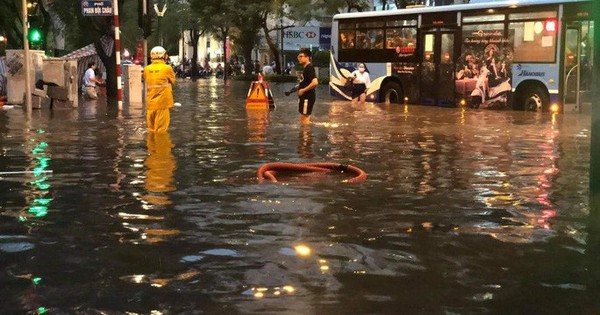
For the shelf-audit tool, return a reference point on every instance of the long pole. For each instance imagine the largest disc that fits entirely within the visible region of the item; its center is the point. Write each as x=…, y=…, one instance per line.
x=26, y=58
x=595, y=130
x=118, y=54
x=282, y=60
x=160, y=37
x=145, y=42
x=159, y=15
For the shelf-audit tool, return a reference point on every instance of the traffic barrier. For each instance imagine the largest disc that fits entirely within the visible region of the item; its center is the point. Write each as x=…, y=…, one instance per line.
x=260, y=96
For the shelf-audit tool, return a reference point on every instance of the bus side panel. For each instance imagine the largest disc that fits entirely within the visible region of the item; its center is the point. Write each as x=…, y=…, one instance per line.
x=546, y=74
x=407, y=74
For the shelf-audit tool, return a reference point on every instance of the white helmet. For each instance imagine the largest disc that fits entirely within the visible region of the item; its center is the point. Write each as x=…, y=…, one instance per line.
x=157, y=52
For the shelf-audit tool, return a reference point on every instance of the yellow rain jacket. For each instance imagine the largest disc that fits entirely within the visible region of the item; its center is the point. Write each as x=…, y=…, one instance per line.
x=159, y=78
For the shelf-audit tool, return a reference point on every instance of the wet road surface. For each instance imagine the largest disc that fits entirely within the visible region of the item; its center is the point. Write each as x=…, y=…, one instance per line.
x=463, y=211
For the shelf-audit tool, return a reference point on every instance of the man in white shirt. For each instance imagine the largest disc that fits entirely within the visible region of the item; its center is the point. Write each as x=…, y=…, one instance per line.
x=90, y=81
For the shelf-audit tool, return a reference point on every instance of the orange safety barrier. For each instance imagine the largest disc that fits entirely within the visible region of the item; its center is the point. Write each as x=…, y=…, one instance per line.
x=270, y=170
x=259, y=96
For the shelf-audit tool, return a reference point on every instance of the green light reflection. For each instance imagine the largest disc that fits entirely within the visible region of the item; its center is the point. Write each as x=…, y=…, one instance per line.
x=39, y=211
x=42, y=201
x=39, y=206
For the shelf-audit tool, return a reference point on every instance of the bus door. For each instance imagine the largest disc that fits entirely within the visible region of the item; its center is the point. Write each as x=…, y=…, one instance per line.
x=437, y=67
x=578, y=60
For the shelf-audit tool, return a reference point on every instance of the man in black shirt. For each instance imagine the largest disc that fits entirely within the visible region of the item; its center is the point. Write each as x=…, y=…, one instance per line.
x=306, y=88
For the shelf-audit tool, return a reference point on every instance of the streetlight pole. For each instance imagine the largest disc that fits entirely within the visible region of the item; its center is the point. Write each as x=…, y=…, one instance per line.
x=595, y=128
x=26, y=58
x=160, y=14
x=281, y=66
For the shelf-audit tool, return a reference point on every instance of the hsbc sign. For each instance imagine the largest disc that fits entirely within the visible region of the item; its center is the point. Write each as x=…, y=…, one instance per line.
x=297, y=37
x=299, y=34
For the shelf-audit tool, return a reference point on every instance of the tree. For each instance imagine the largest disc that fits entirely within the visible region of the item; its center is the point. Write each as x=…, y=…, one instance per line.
x=245, y=35
x=278, y=15
x=401, y=4
x=339, y=6
x=180, y=18
x=217, y=20
x=98, y=30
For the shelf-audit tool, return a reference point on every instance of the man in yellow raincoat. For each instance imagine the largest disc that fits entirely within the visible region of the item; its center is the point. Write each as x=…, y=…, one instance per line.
x=159, y=78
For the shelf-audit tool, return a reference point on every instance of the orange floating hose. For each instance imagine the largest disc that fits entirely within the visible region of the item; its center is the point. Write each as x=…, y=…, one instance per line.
x=269, y=170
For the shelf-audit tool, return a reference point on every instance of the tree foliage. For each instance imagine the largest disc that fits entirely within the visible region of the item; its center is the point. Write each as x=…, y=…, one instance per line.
x=217, y=19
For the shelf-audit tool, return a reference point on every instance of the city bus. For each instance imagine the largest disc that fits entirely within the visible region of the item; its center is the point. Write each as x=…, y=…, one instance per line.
x=534, y=55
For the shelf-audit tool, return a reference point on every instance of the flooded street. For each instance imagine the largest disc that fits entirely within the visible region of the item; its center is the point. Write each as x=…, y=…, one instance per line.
x=463, y=211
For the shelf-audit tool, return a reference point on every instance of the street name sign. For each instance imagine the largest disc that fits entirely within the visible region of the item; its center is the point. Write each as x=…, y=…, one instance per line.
x=96, y=8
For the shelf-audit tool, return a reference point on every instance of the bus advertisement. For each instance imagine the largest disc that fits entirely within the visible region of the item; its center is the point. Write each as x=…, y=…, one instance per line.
x=523, y=54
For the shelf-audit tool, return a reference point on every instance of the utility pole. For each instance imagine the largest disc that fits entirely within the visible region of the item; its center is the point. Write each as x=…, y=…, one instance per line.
x=595, y=130
x=160, y=14
x=26, y=58
x=145, y=40
x=282, y=65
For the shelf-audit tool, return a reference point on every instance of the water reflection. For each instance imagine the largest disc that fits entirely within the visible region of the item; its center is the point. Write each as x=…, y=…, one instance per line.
x=160, y=165
x=305, y=142
x=148, y=226
x=462, y=212
x=257, y=124
x=90, y=108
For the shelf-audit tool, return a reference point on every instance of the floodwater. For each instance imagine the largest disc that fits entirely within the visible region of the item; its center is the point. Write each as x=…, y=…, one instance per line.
x=463, y=211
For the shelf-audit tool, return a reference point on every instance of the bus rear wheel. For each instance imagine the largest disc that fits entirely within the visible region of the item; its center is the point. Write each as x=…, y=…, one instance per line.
x=391, y=93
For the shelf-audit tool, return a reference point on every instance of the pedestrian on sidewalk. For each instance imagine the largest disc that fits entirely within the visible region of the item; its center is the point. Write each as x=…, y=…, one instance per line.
x=90, y=82
x=306, y=88
x=159, y=78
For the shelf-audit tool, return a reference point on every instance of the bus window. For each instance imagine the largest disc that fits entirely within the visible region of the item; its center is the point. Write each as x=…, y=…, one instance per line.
x=347, y=25
x=533, y=41
x=403, y=40
x=400, y=23
x=347, y=39
x=372, y=24
x=369, y=39
x=428, y=50
x=483, y=18
x=532, y=15
x=447, y=50
x=362, y=40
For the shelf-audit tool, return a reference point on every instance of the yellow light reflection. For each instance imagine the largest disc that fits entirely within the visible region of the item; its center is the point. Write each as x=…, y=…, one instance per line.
x=302, y=250
x=138, y=278
x=289, y=289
